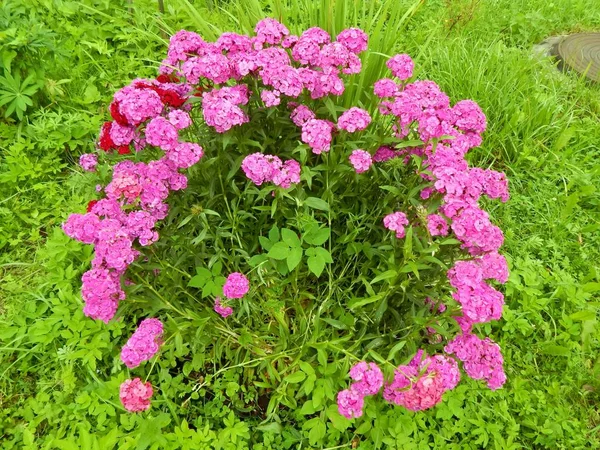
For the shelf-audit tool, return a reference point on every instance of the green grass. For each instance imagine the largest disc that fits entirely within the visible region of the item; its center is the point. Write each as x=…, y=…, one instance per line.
x=58, y=371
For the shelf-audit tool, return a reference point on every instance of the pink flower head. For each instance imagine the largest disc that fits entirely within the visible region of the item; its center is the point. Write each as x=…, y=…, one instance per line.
x=482, y=358
x=143, y=343
x=221, y=110
x=260, y=168
x=385, y=88
x=180, y=119
x=354, y=39
x=360, y=160
x=135, y=395
x=101, y=292
x=401, y=66
x=396, y=222
x=350, y=403
x=271, y=98
x=383, y=154
x=317, y=134
x=269, y=31
x=234, y=43
x=161, y=133
x=185, y=155
x=354, y=119
x=437, y=225
x=421, y=384
x=223, y=311
x=368, y=378
x=236, y=286
x=288, y=174
x=301, y=114
x=88, y=162
x=494, y=266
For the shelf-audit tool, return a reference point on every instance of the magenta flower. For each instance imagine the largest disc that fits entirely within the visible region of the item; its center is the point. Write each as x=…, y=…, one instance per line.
x=368, y=378
x=223, y=311
x=236, y=286
x=396, y=222
x=143, y=343
x=88, y=162
x=350, y=403
x=360, y=160
x=437, y=225
x=401, y=66
x=354, y=119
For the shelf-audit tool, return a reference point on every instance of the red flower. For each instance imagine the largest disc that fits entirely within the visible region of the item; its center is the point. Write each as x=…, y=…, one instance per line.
x=105, y=142
x=124, y=150
x=167, y=78
x=142, y=85
x=91, y=204
x=116, y=114
x=169, y=97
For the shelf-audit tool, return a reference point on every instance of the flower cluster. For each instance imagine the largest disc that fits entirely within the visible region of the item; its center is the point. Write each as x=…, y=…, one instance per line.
x=88, y=162
x=135, y=395
x=284, y=64
x=354, y=119
x=421, y=383
x=236, y=285
x=368, y=380
x=269, y=168
x=238, y=74
x=223, y=311
x=143, y=344
x=361, y=160
x=417, y=386
x=396, y=222
x=423, y=111
x=482, y=359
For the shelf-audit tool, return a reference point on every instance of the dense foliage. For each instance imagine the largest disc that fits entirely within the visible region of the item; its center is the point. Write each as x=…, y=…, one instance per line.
x=269, y=380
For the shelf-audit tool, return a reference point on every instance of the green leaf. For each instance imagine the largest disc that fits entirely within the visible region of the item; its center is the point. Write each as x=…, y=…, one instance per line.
x=274, y=234
x=295, y=377
x=338, y=421
x=324, y=254
x=290, y=238
x=279, y=251
x=316, y=433
x=384, y=276
x=316, y=265
x=294, y=258
x=395, y=349
x=317, y=236
x=257, y=259
x=591, y=287
x=408, y=254
x=197, y=282
x=317, y=203
x=357, y=303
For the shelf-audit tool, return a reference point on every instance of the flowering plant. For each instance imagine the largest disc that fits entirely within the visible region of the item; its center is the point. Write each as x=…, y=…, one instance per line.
x=283, y=213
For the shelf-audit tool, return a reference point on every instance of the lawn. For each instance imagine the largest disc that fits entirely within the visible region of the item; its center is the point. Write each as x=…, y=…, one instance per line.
x=61, y=62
